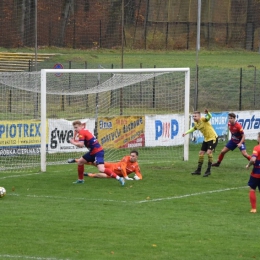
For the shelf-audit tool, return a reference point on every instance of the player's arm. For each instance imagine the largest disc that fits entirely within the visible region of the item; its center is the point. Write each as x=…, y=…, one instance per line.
x=191, y=130
x=241, y=130
x=78, y=139
x=208, y=115
x=123, y=166
x=77, y=143
x=251, y=162
x=242, y=140
x=138, y=176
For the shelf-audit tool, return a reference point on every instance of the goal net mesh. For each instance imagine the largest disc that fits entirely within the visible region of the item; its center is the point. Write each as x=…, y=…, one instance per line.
x=125, y=111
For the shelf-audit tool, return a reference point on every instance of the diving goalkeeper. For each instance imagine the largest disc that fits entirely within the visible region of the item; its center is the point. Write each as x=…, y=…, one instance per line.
x=123, y=168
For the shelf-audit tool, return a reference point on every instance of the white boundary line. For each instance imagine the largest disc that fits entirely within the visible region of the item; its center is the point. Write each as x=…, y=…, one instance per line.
x=192, y=194
x=135, y=202
x=21, y=175
x=30, y=257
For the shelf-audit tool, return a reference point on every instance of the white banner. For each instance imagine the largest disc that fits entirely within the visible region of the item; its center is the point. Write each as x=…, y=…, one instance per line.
x=164, y=130
x=61, y=131
x=250, y=120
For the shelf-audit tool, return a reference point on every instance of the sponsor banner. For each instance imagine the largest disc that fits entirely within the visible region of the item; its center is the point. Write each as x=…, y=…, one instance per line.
x=20, y=150
x=250, y=120
x=20, y=132
x=219, y=121
x=121, y=131
x=20, y=137
x=60, y=133
x=164, y=130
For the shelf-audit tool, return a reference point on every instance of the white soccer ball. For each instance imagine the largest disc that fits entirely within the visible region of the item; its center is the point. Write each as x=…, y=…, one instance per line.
x=2, y=192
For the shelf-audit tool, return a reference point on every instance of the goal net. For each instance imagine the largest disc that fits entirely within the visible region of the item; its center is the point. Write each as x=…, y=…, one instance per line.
x=126, y=109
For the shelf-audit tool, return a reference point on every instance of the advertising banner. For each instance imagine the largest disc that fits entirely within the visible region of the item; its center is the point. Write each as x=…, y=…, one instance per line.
x=121, y=131
x=250, y=120
x=20, y=137
x=219, y=121
x=164, y=130
x=60, y=133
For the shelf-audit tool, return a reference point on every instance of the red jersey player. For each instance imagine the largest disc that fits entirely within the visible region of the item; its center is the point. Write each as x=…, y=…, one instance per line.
x=95, y=153
x=237, y=140
x=254, y=180
x=126, y=166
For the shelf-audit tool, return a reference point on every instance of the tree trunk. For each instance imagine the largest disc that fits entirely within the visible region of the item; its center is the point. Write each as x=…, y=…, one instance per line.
x=68, y=9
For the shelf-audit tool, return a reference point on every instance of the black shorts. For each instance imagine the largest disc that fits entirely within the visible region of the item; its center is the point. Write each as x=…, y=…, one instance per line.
x=210, y=145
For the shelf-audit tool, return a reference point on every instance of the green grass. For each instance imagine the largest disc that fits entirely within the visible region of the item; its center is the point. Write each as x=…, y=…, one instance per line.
x=219, y=71
x=170, y=214
x=219, y=59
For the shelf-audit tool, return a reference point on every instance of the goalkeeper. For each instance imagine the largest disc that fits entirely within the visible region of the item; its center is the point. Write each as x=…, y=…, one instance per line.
x=210, y=140
x=126, y=166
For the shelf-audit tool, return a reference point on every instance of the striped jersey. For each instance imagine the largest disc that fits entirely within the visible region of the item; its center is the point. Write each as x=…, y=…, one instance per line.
x=89, y=141
x=256, y=169
x=236, y=131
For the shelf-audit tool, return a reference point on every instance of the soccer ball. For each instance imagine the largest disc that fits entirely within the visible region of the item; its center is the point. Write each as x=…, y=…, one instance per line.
x=2, y=192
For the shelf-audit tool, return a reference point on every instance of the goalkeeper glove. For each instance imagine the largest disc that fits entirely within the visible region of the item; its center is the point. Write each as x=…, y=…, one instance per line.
x=136, y=178
x=129, y=179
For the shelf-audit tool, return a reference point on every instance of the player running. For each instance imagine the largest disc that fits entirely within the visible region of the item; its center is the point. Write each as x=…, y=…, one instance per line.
x=237, y=140
x=210, y=140
x=95, y=154
x=254, y=180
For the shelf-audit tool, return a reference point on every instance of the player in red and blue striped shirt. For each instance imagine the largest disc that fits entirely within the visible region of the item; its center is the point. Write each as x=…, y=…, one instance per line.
x=237, y=140
x=254, y=180
x=95, y=153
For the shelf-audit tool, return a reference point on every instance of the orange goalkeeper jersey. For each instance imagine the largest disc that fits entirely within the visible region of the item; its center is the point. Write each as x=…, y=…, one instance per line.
x=124, y=167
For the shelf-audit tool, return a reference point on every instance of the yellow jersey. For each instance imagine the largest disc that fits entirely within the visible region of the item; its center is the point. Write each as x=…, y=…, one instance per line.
x=206, y=129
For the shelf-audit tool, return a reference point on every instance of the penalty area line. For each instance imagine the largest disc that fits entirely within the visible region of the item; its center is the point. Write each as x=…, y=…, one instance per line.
x=191, y=195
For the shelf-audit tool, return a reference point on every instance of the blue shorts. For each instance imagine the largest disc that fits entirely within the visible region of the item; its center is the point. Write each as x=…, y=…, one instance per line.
x=98, y=157
x=231, y=145
x=254, y=183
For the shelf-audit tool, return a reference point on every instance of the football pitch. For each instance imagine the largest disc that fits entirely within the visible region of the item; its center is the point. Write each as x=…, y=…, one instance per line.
x=170, y=214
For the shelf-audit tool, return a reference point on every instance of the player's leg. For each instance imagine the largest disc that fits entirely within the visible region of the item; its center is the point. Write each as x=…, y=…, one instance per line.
x=201, y=159
x=252, y=183
x=96, y=175
x=211, y=146
x=229, y=146
x=81, y=161
x=107, y=171
x=243, y=151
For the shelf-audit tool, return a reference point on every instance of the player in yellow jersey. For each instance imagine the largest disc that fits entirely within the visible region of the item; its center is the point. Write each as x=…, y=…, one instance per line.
x=210, y=140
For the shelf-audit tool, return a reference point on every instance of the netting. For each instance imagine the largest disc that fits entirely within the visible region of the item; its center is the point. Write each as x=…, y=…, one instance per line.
x=153, y=24
x=143, y=111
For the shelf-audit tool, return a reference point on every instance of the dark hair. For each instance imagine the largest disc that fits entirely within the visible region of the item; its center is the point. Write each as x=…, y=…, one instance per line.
x=233, y=115
x=134, y=151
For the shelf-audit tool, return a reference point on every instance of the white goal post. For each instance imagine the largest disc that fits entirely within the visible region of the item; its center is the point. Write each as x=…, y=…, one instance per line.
x=155, y=95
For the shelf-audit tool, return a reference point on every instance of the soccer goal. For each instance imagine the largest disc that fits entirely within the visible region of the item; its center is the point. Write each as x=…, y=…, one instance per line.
x=126, y=109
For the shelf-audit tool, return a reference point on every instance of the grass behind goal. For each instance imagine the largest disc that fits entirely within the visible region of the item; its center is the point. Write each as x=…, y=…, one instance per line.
x=170, y=214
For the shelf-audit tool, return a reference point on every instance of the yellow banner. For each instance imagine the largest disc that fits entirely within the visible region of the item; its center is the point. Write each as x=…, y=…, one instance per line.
x=121, y=131
x=19, y=133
